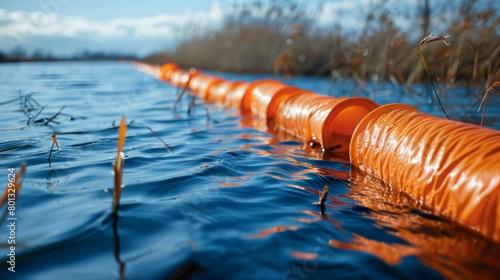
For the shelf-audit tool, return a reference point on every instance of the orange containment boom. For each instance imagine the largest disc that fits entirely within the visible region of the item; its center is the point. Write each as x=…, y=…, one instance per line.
x=309, y=116
x=166, y=70
x=258, y=96
x=182, y=78
x=321, y=119
x=453, y=167
x=153, y=70
x=218, y=92
x=200, y=84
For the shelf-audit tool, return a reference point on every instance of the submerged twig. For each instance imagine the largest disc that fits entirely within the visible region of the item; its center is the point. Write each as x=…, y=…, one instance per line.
x=207, y=115
x=322, y=198
x=54, y=143
x=53, y=136
x=179, y=97
x=192, y=104
x=33, y=119
x=26, y=104
x=54, y=116
x=50, y=153
x=429, y=39
x=118, y=169
x=157, y=136
x=33, y=99
x=10, y=101
x=72, y=118
x=119, y=261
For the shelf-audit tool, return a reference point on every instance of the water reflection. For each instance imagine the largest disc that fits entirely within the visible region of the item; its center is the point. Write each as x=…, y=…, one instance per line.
x=443, y=245
x=121, y=264
x=304, y=255
x=411, y=229
x=266, y=232
x=233, y=200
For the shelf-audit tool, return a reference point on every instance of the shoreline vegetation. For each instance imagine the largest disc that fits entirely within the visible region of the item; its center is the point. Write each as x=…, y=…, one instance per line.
x=283, y=37
x=461, y=39
x=19, y=55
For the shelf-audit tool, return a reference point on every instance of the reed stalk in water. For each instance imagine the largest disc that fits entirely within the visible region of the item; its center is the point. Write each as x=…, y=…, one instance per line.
x=118, y=166
x=54, y=143
x=322, y=198
x=54, y=116
x=118, y=170
x=495, y=90
x=429, y=39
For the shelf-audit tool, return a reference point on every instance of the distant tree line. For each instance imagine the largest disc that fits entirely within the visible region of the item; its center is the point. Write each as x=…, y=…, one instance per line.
x=282, y=37
x=20, y=55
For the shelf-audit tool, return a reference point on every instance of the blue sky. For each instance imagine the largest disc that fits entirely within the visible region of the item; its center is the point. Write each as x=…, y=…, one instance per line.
x=109, y=9
x=66, y=27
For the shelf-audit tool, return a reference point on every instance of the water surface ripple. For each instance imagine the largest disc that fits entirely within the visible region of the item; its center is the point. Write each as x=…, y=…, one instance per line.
x=204, y=198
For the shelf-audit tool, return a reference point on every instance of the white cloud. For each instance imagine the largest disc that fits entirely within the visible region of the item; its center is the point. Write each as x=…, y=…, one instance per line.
x=349, y=14
x=67, y=35
x=57, y=33
x=25, y=25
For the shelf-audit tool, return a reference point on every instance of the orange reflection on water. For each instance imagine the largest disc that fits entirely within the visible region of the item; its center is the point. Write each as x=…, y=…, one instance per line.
x=266, y=232
x=235, y=181
x=443, y=245
x=228, y=184
x=451, y=249
x=390, y=253
x=302, y=148
x=253, y=122
x=299, y=175
x=304, y=255
x=318, y=217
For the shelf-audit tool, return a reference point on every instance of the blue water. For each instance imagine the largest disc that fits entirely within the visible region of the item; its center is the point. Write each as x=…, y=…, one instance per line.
x=207, y=196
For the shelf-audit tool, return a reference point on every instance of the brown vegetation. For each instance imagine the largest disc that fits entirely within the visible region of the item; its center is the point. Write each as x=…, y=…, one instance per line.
x=281, y=37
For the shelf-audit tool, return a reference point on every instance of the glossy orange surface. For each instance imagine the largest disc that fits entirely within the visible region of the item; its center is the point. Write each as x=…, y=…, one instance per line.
x=264, y=94
x=200, y=84
x=258, y=90
x=181, y=78
x=217, y=92
x=293, y=115
x=166, y=70
x=279, y=98
x=453, y=167
x=333, y=123
x=320, y=119
x=235, y=95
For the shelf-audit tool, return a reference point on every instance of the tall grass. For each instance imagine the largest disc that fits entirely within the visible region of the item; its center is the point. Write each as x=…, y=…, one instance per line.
x=281, y=37
x=118, y=166
x=429, y=39
x=494, y=90
x=118, y=170
x=54, y=143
